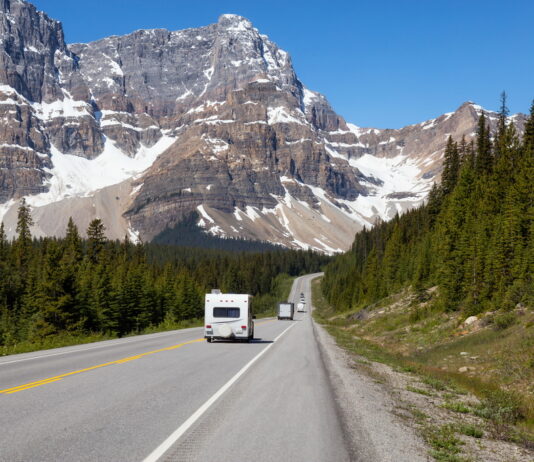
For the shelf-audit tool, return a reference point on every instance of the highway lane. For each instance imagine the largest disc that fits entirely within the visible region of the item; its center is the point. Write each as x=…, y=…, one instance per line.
x=119, y=400
x=282, y=410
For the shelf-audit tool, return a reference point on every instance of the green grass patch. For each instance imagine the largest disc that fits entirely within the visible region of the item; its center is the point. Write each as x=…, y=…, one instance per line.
x=470, y=430
x=446, y=446
x=419, y=390
x=435, y=383
x=56, y=341
x=501, y=406
x=418, y=415
x=456, y=406
x=65, y=339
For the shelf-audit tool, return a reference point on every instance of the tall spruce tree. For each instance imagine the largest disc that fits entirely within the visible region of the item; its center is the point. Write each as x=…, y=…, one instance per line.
x=451, y=167
x=484, y=157
x=23, y=244
x=96, y=239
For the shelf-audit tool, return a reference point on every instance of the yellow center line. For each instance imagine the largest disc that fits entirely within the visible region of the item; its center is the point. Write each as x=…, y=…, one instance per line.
x=22, y=387
x=38, y=383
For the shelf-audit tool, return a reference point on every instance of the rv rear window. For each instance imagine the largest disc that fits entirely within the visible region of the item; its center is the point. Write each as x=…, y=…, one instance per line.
x=226, y=312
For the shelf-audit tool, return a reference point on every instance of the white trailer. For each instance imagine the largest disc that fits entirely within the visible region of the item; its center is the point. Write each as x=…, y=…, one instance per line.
x=228, y=317
x=286, y=310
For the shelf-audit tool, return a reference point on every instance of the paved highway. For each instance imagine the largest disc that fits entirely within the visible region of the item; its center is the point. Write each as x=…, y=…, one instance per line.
x=174, y=397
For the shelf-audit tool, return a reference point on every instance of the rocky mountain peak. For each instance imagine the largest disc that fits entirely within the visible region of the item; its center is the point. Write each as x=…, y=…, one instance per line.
x=146, y=128
x=34, y=51
x=234, y=22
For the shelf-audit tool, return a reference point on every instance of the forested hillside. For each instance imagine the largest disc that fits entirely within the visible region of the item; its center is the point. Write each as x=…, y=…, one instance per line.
x=473, y=239
x=73, y=286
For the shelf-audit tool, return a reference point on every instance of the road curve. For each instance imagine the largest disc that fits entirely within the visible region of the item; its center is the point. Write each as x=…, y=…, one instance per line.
x=174, y=397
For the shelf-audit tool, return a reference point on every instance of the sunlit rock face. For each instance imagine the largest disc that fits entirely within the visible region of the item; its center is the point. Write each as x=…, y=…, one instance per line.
x=157, y=124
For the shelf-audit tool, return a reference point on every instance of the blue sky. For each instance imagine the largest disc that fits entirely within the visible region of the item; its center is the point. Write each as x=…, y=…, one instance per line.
x=381, y=64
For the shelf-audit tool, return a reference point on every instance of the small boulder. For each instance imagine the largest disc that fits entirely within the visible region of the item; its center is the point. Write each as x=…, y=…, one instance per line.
x=470, y=320
x=361, y=315
x=466, y=369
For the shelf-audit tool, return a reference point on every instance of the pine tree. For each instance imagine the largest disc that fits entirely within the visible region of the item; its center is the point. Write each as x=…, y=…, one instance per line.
x=24, y=238
x=451, y=167
x=3, y=243
x=96, y=239
x=73, y=241
x=483, y=158
x=435, y=199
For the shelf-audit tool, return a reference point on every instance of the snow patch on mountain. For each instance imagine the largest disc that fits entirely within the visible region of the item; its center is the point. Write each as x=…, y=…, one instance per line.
x=73, y=176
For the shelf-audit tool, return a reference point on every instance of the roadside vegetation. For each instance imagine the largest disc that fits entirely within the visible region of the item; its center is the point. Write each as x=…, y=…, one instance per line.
x=468, y=389
x=446, y=291
x=58, y=292
x=474, y=238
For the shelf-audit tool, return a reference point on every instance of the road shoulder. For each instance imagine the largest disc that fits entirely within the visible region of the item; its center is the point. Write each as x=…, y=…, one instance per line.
x=373, y=428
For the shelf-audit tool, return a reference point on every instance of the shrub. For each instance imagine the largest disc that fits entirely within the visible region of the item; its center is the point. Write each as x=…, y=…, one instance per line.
x=470, y=430
x=500, y=406
x=456, y=406
x=504, y=320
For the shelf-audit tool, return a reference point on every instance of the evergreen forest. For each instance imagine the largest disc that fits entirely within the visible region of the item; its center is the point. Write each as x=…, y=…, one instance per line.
x=473, y=239
x=53, y=288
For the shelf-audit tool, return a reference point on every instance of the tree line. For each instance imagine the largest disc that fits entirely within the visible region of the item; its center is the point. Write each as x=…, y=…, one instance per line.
x=52, y=286
x=473, y=238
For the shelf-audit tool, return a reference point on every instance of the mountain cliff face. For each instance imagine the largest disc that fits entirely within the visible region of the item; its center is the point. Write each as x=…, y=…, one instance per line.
x=143, y=129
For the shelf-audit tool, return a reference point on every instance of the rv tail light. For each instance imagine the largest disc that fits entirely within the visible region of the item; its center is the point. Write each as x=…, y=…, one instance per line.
x=243, y=327
x=208, y=326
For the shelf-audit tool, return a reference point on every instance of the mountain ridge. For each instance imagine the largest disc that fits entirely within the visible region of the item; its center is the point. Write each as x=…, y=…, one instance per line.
x=145, y=128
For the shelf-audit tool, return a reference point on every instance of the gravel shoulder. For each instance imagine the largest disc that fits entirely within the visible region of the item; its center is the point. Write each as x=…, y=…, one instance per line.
x=396, y=412
x=373, y=427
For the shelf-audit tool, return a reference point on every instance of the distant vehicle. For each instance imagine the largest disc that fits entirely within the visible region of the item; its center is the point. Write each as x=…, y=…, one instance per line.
x=301, y=307
x=286, y=310
x=302, y=296
x=228, y=317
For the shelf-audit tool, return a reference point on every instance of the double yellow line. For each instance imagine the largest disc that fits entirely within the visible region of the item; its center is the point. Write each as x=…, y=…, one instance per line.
x=27, y=386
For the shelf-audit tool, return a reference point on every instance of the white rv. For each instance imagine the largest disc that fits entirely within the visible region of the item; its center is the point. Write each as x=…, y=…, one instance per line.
x=301, y=307
x=228, y=317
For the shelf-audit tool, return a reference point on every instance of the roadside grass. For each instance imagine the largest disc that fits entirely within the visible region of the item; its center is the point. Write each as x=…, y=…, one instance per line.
x=456, y=406
x=470, y=430
x=496, y=364
x=57, y=341
x=419, y=390
x=446, y=446
x=66, y=339
x=265, y=306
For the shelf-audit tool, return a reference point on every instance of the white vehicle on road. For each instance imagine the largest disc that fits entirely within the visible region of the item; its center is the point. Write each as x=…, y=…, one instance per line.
x=228, y=317
x=286, y=310
x=301, y=307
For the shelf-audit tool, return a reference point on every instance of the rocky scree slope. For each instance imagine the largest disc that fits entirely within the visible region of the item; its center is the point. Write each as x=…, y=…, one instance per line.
x=144, y=129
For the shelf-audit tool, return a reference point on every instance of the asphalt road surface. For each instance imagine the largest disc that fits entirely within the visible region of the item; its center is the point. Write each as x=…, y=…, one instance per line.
x=174, y=397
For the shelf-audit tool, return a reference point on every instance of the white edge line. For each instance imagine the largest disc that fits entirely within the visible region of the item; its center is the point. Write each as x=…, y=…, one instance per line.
x=116, y=343
x=164, y=447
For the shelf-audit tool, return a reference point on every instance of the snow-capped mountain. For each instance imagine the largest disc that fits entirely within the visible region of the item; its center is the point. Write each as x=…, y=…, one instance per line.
x=143, y=129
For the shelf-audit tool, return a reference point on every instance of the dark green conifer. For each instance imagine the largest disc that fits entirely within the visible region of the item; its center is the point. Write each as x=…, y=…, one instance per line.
x=96, y=239
x=451, y=167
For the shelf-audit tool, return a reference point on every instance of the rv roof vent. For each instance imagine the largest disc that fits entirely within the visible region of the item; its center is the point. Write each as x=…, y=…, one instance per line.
x=216, y=291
